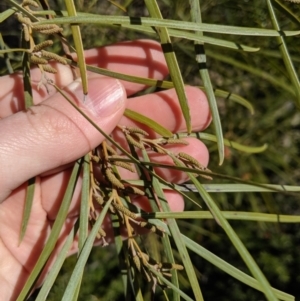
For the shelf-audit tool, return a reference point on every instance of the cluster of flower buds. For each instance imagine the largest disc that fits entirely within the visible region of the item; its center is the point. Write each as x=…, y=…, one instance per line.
x=38, y=55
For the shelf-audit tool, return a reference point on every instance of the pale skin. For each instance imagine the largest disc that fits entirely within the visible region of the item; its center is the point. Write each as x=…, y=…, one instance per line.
x=44, y=141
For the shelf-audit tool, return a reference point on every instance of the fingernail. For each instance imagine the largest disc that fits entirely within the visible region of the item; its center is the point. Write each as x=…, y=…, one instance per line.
x=105, y=96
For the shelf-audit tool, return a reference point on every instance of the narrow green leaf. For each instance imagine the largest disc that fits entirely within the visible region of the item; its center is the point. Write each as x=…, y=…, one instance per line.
x=26, y=77
x=148, y=122
x=234, y=97
x=172, y=63
x=78, y=45
x=118, y=5
x=232, y=144
x=217, y=188
x=156, y=22
x=6, y=14
x=250, y=188
x=27, y=208
x=176, y=33
x=244, y=253
x=28, y=99
x=84, y=212
x=56, y=267
x=285, y=55
x=10, y=50
x=275, y=188
x=214, y=111
x=83, y=256
x=211, y=41
x=84, y=204
x=54, y=235
x=231, y=215
x=201, y=60
x=286, y=11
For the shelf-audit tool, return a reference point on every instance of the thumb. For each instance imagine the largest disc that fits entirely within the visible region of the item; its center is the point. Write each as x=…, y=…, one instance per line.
x=53, y=133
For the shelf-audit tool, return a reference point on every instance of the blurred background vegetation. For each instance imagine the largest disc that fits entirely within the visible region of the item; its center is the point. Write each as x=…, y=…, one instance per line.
x=260, y=77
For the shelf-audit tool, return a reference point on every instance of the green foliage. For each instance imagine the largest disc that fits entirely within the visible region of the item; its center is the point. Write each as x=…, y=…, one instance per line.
x=251, y=59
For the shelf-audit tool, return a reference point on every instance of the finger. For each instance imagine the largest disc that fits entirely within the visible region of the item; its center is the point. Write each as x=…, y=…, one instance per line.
x=54, y=133
x=164, y=108
x=140, y=58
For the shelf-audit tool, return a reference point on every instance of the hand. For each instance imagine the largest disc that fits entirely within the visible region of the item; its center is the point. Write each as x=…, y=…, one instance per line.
x=44, y=140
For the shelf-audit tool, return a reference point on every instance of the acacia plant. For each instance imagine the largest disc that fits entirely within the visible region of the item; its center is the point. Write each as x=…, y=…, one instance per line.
x=164, y=258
